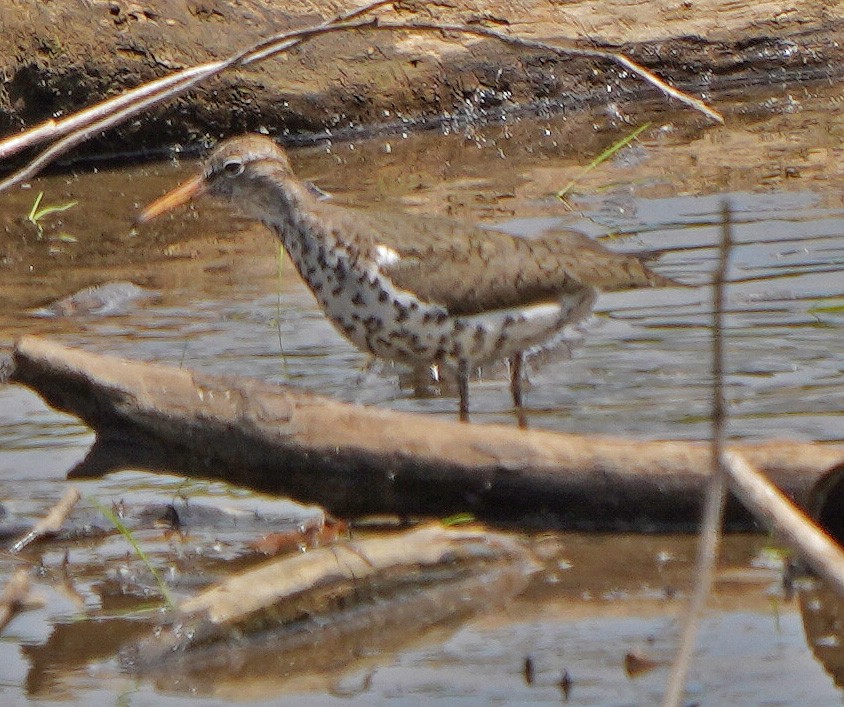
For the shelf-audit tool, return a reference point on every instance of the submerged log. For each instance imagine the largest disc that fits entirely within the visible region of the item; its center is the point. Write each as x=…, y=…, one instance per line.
x=355, y=461
x=319, y=610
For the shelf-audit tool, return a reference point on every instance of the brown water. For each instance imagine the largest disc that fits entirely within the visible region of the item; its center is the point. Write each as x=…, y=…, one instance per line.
x=639, y=367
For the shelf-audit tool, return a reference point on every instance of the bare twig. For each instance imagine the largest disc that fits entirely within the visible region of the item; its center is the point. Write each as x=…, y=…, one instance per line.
x=81, y=126
x=144, y=96
x=756, y=492
x=710, y=532
x=51, y=523
x=271, y=47
x=15, y=597
x=771, y=506
x=52, y=129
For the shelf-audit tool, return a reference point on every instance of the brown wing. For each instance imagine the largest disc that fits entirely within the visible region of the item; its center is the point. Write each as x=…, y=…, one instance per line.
x=602, y=268
x=470, y=270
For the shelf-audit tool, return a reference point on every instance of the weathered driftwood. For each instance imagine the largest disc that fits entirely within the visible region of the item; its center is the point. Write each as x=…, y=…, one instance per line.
x=342, y=600
x=354, y=460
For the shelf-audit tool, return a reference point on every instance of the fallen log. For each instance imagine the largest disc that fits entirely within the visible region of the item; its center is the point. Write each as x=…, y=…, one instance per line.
x=356, y=461
x=318, y=611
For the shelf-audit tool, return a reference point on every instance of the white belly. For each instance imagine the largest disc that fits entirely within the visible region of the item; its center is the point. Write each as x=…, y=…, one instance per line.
x=391, y=323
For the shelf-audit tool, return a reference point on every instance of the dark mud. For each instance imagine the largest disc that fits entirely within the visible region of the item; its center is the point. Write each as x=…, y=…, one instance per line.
x=58, y=57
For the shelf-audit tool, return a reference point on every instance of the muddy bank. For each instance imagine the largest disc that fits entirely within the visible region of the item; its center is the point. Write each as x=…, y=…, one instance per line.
x=58, y=57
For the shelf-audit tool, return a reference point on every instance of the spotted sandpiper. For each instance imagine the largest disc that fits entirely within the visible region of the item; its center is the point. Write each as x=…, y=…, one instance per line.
x=420, y=290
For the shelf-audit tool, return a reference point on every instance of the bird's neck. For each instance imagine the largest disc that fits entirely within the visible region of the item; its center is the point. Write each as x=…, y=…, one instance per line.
x=279, y=200
x=295, y=215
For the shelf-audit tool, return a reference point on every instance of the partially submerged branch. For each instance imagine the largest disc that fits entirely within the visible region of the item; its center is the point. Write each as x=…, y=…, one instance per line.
x=357, y=461
x=788, y=522
x=330, y=605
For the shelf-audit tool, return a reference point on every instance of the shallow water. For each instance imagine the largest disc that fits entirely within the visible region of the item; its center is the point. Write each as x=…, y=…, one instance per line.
x=638, y=367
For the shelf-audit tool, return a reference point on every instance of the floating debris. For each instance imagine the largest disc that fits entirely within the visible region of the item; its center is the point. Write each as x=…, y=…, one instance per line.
x=636, y=663
x=565, y=685
x=108, y=299
x=51, y=523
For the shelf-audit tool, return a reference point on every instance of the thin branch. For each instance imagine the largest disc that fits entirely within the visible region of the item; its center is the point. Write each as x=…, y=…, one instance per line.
x=269, y=48
x=710, y=532
x=769, y=504
x=51, y=523
x=83, y=125
x=137, y=99
x=52, y=129
x=80, y=135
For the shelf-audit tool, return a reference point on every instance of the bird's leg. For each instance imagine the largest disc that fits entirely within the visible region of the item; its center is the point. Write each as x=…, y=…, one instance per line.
x=463, y=389
x=425, y=381
x=369, y=365
x=516, y=365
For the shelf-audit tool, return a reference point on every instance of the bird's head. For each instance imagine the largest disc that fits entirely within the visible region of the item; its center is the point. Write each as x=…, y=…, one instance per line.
x=235, y=171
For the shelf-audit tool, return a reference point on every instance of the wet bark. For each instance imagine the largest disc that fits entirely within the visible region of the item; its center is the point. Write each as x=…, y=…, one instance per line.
x=319, y=610
x=356, y=461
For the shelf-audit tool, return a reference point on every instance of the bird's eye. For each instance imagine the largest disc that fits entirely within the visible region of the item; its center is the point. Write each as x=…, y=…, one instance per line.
x=233, y=167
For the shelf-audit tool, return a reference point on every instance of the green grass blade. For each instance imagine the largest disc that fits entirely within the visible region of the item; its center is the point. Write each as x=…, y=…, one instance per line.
x=126, y=533
x=58, y=208
x=34, y=210
x=603, y=157
x=826, y=309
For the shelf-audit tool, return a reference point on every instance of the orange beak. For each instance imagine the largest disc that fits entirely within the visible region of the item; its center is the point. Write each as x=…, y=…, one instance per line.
x=180, y=195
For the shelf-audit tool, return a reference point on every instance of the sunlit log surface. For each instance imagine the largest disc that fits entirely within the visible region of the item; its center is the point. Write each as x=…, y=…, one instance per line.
x=328, y=605
x=356, y=461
